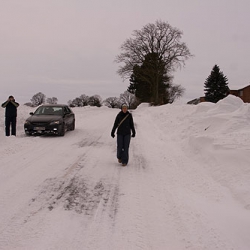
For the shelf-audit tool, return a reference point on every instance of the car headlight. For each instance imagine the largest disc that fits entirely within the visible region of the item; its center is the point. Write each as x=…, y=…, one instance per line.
x=27, y=123
x=55, y=123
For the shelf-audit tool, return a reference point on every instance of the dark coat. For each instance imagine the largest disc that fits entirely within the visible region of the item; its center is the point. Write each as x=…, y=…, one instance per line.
x=127, y=125
x=10, y=108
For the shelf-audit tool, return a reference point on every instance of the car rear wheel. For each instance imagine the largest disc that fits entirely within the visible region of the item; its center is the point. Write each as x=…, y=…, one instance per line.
x=72, y=127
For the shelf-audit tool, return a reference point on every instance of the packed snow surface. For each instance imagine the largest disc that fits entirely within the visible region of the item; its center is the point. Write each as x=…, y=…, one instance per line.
x=187, y=184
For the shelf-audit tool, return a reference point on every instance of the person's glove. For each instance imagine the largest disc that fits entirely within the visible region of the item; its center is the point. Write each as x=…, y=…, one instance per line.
x=133, y=135
x=112, y=134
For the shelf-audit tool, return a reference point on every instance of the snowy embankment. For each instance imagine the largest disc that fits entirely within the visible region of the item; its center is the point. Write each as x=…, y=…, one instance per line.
x=186, y=185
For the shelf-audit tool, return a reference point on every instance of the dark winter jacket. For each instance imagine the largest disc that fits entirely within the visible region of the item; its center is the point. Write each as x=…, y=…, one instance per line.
x=127, y=125
x=10, y=108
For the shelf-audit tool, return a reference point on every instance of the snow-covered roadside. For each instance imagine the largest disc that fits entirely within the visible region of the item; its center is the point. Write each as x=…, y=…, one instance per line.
x=186, y=185
x=207, y=168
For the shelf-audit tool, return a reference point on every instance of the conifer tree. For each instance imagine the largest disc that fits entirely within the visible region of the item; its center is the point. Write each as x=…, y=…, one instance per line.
x=150, y=81
x=216, y=85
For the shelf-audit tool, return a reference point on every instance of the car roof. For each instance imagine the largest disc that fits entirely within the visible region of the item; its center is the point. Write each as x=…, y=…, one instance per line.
x=54, y=105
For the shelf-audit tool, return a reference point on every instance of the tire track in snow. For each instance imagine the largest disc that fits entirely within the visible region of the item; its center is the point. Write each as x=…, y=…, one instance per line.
x=101, y=228
x=131, y=218
x=46, y=197
x=77, y=191
x=141, y=240
x=15, y=181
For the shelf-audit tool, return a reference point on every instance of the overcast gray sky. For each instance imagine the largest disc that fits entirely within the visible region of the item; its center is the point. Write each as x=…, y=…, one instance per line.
x=65, y=48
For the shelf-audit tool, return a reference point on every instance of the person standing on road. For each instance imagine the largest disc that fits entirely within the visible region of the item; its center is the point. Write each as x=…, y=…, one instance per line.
x=10, y=115
x=124, y=124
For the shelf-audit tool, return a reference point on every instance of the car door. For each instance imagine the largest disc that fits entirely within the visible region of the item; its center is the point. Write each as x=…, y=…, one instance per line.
x=68, y=116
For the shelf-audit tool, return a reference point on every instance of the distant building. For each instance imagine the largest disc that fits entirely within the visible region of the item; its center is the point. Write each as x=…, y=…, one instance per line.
x=243, y=93
x=197, y=100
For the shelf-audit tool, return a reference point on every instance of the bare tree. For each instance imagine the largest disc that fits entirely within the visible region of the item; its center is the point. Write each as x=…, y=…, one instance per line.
x=85, y=99
x=175, y=92
x=160, y=41
x=52, y=100
x=77, y=102
x=129, y=99
x=95, y=100
x=159, y=38
x=38, y=99
x=112, y=102
x=81, y=101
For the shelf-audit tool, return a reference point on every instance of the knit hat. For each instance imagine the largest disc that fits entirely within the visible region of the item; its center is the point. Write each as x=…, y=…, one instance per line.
x=124, y=105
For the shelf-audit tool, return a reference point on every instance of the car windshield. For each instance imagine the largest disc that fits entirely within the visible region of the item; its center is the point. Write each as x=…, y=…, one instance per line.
x=48, y=110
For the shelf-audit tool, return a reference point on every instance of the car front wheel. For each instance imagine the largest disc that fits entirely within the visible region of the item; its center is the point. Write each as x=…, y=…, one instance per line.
x=62, y=130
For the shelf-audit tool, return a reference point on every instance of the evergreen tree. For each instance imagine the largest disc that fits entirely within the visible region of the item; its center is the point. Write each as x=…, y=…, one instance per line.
x=149, y=82
x=216, y=85
x=139, y=86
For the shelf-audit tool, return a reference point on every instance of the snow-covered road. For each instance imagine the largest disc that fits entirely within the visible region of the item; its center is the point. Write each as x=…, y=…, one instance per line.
x=186, y=185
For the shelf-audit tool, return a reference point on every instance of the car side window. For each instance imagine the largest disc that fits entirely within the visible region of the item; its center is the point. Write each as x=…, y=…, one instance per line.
x=67, y=110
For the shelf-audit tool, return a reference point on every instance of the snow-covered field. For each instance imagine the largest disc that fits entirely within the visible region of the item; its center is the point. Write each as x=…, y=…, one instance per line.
x=187, y=185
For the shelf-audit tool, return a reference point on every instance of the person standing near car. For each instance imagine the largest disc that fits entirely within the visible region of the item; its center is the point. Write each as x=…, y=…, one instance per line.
x=125, y=125
x=10, y=115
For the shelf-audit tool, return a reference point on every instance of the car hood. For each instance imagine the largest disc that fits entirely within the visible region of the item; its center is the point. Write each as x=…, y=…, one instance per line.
x=44, y=118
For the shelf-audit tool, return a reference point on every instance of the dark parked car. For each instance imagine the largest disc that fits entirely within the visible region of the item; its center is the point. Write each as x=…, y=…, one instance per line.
x=50, y=119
